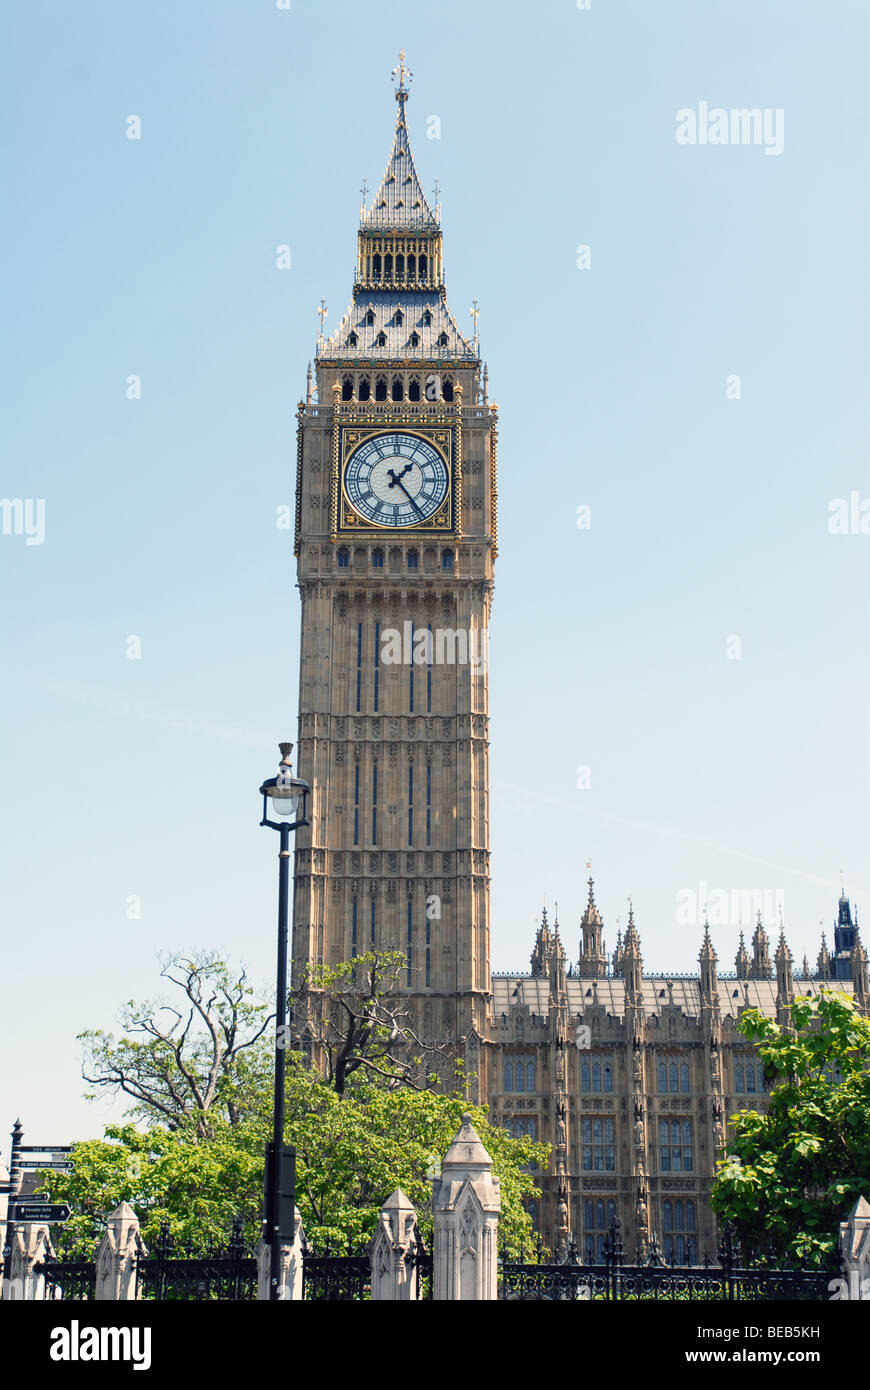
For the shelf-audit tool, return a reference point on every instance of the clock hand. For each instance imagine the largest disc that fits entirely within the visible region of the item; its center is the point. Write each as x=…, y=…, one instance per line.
x=397, y=478
x=400, y=484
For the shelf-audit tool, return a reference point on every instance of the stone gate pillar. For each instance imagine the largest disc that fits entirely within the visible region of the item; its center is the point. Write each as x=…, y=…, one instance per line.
x=116, y=1256
x=855, y=1251
x=466, y=1204
x=394, y=1243
x=289, y=1267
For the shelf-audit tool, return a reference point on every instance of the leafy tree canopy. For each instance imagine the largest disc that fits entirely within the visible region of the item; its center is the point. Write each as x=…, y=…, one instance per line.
x=794, y=1172
x=352, y=1153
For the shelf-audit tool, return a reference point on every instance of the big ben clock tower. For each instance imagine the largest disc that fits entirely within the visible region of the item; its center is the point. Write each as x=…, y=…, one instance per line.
x=395, y=540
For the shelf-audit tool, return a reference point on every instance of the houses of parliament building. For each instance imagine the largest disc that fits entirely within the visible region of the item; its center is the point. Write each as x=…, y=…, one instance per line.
x=396, y=541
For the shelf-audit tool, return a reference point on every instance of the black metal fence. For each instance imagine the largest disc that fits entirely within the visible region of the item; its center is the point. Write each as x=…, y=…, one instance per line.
x=68, y=1279
x=328, y=1275
x=218, y=1273
x=733, y=1278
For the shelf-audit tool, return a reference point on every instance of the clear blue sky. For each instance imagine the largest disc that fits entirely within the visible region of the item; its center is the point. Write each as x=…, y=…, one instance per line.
x=157, y=257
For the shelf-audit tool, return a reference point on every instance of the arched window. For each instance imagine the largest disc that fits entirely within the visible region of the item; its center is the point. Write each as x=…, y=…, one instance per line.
x=376, y=272
x=427, y=317
x=413, y=559
x=370, y=317
x=413, y=389
x=447, y=559
x=520, y=1075
x=422, y=268
x=672, y=1077
x=661, y=1078
x=532, y=1208
x=691, y=1251
x=667, y=1216
x=690, y=1216
x=738, y=1078
x=607, y=1077
x=684, y=1078
x=596, y=1078
x=599, y=1214
x=509, y=1076
x=343, y=557
x=584, y=1078
x=382, y=339
x=531, y=1075
x=414, y=340
x=400, y=271
x=377, y=559
x=447, y=384
x=347, y=388
x=352, y=340
x=750, y=1078
x=442, y=339
x=588, y=1214
x=412, y=266
x=381, y=388
x=365, y=389
x=611, y=1211
x=398, y=389
x=388, y=266
x=398, y=318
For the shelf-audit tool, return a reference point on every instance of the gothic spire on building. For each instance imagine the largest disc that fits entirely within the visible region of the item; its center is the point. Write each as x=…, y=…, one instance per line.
x=859, y=972
x=399, y=307
x=823, y=962
x=844, y=938
x=543, y=951
x=593, y=959
x=632, y=961
x=761, y=968
x=741, y=960
x=784, y=979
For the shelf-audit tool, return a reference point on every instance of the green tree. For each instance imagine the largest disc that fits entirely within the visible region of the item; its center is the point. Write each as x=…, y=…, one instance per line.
x=792, y=1173
x=188, y=1062
x=352, y=1152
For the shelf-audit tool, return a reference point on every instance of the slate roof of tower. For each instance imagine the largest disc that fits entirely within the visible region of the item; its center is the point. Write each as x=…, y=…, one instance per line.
x=413, y=304
x=400, y=201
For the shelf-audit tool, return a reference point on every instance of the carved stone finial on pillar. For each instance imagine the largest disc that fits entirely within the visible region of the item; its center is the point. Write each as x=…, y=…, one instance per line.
x=116, y=1256
x=31, y=1246
x=466, y=1204
x=289, y=1266
x=393, y=1247
x=855, y=1252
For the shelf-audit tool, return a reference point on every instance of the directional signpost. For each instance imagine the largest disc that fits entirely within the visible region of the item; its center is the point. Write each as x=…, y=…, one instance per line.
x=39, y=1211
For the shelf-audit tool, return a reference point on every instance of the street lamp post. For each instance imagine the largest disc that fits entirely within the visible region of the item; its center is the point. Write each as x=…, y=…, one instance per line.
x=284, y=796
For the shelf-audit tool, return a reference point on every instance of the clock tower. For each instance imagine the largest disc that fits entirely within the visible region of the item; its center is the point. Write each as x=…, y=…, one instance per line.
x=395, y=543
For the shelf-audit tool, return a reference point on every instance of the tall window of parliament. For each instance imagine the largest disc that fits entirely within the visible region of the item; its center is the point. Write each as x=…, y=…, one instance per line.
x=597, y=1216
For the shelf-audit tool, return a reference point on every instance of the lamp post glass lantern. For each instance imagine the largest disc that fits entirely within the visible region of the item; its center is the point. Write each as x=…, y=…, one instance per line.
x=286, y=797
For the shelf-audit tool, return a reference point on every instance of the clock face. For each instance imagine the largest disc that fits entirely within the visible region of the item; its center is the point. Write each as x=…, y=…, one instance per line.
x=396, y=480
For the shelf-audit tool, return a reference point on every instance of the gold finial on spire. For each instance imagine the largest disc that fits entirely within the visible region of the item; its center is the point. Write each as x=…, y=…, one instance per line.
x=401, y=71
x=475, y=315
x=322, y=314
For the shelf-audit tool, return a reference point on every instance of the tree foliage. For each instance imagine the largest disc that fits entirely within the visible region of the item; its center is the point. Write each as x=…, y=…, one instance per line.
x=352, y=1153
x=354, y=1021
x=792, y=1173
x=188, y=1062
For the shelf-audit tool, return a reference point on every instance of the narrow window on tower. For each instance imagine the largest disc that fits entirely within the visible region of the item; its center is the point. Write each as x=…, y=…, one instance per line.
x=413, y=559
x=429, y=674
x=356, y=803
x=343, y=557
x=428, y=954
x=411, y=805
x=375, y=804
x=358, y=666
x=428, y=804
x=409, y=946
x=372, y=926
x=411, y=676
x=377, y=668
x=353, y=950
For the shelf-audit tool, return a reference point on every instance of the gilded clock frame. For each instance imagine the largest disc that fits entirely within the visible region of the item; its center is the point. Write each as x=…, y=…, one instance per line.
x=441, y=432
